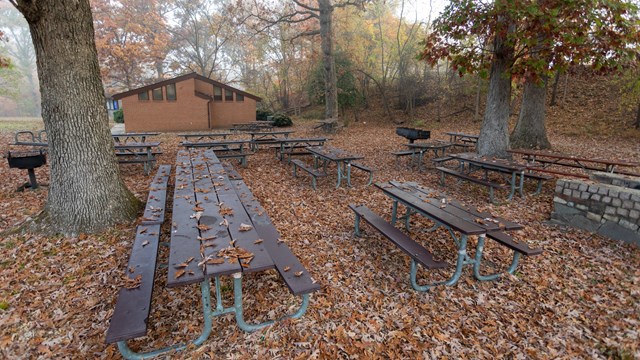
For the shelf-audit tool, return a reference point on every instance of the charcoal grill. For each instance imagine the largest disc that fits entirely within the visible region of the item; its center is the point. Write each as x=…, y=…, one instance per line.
x=413, y=134
x=27, y=160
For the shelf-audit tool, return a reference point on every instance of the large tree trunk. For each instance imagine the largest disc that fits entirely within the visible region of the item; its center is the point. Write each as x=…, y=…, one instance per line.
x=328, y=60
x=86, y=193
x=530, y=131
x=494, y=133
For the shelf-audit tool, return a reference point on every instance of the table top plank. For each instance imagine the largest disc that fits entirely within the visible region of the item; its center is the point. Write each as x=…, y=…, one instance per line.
x=433, y=211
x=184, y=231
x=214, y=234
x=487, y=162
x=136, y=145
x=560, y=156
x=333, y=154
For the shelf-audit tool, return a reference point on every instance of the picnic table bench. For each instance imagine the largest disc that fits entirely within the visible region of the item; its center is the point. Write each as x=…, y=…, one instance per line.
x=514, y=171
x=538, y=160
x=463, y=140
x=133, y=305
x=450, y=214
x=268, y=138
x=343, y=159
x=218, y=228
x=417, y=151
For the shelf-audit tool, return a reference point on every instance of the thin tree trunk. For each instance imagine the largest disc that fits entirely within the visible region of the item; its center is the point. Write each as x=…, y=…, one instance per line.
x=86, y=193
x=328, y=60
x=476, y=113
x=554, y=93
x=494, y=135
x=566, y=87
x=530, y=131
x=637, y=124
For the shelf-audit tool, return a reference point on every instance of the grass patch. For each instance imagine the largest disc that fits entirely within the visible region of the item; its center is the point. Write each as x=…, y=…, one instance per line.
x=11, y=124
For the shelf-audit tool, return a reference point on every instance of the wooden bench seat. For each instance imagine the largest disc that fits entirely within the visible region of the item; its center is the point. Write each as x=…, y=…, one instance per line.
x=440, y=160
x=400, y=239
x=365, y=169
x=309, y=169
x=491, y=185
x=230, y=154
x=157, y=198
x=399, y=154
x=133, y=305
x=286, y=262
x=508, y=241
x=556, y=172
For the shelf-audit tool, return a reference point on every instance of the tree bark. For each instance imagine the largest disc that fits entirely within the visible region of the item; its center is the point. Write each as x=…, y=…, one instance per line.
x=328, y=60
x=637, y=124
x=554, y=93
x=86, y=193
x=494, y=133
x=530, y=131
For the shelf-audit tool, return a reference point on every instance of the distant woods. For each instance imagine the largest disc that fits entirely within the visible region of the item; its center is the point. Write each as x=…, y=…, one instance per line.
x=281, y=52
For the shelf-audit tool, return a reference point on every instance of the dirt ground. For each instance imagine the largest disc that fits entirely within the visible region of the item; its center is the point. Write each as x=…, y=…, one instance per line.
x=579, y=299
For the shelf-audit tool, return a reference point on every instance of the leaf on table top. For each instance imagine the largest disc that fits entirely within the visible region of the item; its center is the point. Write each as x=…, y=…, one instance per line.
x=145, y=243
x=287, y=268
x=203, y=227
x=280, y=240
x=298, y=274
x=226, y=211
x=143, y=230
x=205, y=238
x=259, y=241
x=132, y=269
x=245, y=227
x=181, y=266
x=224, y=222
x=130, y=283
x=215, y=261
x=196, y=215
x=179, y=273
x=198, y=209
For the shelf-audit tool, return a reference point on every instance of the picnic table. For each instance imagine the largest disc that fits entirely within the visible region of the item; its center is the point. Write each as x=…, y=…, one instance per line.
x=472, y=162
x=133, y=137
x=137, y=152
x=540, y=161
x=268, y=137
x=463, y=140
x=218, y=229
x=297, y=146
x=253, y=126
x=343, y=159
x=450, y=214
x=438, y=148
x=224, y=149
x=197, y=137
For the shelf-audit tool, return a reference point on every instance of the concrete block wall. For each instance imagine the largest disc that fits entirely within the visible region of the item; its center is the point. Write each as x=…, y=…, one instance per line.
x=610, y=210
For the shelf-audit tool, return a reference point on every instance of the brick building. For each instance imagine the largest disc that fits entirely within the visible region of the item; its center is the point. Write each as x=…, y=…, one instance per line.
x=189, y=102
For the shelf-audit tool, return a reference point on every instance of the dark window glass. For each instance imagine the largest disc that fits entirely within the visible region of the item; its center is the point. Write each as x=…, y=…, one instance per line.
x=171, y=92
x=157, y=94
x=217, y=93
x=239, y=97
x=143, y=95
x=228, y=95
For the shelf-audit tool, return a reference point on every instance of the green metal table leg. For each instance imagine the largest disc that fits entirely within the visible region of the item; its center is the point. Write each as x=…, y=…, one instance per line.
x=462, y=257
x=478, y=262
x=513, y=185
x=394, y=212
x=356, y=225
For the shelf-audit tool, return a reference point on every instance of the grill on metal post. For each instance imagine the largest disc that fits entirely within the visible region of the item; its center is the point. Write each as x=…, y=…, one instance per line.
x=27, y=160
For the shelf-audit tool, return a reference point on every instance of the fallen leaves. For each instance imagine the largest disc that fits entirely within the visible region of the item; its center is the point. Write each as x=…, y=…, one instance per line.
x=245, y=227
x=134, y=283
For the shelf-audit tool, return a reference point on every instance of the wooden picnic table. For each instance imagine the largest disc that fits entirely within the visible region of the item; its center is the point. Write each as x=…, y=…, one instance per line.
x=253, y=126
x=133, y=137
x=341, y=157
x=224, y=149
x=457, y=137
x=217, y=229
x=438, y=148
x=539, y=160
x=137, y=152
x=459, y=219
x=267, y=137
x=288, y=146
x=197, y=137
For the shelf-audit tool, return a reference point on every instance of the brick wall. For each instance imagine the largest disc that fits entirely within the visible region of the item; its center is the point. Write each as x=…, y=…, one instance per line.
x=606, y=204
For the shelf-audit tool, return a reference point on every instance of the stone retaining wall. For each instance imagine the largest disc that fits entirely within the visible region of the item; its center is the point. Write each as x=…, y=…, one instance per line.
x=606, y=204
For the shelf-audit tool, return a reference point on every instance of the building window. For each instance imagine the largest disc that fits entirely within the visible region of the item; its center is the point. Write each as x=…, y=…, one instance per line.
x=239, y=97
x=217, y=93
x=171, y=92
x=143, y=95
x=157, y=94
x=228, y=95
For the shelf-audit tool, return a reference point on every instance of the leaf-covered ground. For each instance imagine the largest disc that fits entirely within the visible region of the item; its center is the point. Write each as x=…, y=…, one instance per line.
x=580, y=299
